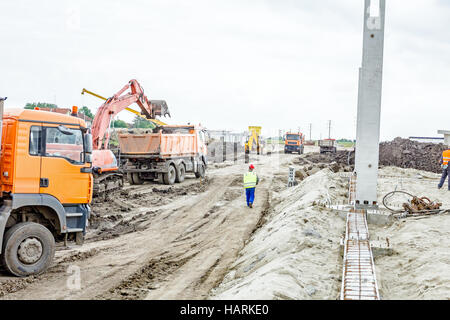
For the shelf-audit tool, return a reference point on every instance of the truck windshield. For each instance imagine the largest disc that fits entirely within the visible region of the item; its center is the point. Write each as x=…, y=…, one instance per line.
x=292, y=137
x=63, y=145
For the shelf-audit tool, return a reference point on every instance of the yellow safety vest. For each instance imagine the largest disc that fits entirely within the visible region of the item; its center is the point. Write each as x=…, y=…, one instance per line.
x=446, y=157
x=250, y=179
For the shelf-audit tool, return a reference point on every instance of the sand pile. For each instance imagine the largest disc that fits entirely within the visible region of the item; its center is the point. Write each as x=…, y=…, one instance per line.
x=295, y=255
x=405, y=153
x=420, y=267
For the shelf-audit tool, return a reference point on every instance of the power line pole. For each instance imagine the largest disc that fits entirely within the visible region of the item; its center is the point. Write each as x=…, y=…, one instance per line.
x=310, y=130
x=329, y=129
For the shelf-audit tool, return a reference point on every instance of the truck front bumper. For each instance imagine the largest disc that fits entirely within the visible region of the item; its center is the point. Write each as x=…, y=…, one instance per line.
x=291, y=148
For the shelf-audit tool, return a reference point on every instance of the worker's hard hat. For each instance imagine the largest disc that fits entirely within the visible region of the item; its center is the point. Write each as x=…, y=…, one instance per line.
x=251, y=167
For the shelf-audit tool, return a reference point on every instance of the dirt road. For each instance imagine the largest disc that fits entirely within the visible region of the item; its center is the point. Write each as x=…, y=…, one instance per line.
x=156, y=241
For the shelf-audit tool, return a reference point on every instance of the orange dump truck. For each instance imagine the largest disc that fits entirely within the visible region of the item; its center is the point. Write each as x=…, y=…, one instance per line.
x=294, y=142
x=165, y=156
x=46, y=186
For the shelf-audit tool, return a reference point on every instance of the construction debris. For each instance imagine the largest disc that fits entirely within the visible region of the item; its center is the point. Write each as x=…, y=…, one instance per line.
x=405, y=153
x=343, y=158
x=414, y=207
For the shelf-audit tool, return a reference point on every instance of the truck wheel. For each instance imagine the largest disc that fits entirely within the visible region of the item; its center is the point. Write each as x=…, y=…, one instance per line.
x=201, y=171
x=136, y=178
x=130, y=178
x=170, y=176
x=181, y=172
x=28, y=249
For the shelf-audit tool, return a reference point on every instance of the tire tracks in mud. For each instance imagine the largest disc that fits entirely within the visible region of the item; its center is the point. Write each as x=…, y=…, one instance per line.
x=12, y=284
x=98, y=242
x=183, y=247
x=219, y=248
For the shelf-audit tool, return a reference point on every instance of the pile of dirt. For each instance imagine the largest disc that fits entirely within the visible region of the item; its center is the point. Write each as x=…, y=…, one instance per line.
x=405, y=153
x=340, y=157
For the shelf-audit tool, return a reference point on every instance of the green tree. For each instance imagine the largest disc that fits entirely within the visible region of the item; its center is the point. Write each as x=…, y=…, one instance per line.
x=40, y=105
x=120, y=124
x=140, y=122
x=85, y=110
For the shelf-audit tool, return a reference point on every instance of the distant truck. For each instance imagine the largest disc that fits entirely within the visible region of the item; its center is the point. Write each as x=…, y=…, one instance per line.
x=328, y=145
x=294, y=142
x=165, y=156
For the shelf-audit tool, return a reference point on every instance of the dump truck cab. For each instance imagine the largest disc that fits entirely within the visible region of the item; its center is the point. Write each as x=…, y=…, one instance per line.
x=294, y=142
x=46, y=186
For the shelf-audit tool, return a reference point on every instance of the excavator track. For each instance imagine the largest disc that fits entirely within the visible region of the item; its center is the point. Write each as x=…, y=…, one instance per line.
x=107, y=182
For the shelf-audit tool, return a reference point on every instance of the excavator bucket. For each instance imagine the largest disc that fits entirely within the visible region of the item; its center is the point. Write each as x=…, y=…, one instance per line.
x=160, y=108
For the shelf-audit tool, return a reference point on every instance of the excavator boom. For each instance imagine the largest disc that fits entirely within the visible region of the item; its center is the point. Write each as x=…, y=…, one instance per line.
x=153, y=102
x=120, y=101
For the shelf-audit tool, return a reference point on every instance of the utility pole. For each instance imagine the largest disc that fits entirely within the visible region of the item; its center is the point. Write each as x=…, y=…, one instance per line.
x=329, y=129
x=310, y=130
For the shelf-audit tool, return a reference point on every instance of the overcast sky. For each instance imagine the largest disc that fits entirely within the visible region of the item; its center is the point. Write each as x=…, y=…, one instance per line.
x=228, y=64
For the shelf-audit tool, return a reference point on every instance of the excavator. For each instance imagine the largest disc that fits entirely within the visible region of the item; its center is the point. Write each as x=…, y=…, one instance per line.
x=105, y=167
x=253, y=138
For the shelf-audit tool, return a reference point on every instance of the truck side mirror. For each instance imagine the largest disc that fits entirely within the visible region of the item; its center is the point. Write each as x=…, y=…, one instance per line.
x=88, y=158
x=88, y=143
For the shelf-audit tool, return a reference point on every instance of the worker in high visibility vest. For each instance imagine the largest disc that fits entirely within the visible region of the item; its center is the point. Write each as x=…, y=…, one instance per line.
x=250, y=182
x=445, y=168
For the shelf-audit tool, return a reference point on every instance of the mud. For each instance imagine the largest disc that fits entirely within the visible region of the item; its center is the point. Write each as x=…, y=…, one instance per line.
x=122, y=213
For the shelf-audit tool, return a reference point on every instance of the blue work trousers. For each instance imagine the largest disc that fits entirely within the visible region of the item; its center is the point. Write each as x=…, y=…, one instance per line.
x=445, y=174
x=250, y=194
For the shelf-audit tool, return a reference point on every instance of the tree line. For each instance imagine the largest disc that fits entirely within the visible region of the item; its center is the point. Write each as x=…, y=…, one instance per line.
x=138, y=122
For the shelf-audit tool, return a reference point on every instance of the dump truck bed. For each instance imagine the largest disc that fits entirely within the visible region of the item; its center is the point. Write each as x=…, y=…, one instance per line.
x=327, y=143
x=159, y=145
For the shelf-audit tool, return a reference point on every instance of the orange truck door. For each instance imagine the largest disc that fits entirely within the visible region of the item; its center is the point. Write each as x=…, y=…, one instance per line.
x=28, y=161
x=61, y=165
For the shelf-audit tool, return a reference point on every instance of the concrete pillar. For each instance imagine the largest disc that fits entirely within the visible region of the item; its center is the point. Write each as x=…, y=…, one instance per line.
x=369, y=104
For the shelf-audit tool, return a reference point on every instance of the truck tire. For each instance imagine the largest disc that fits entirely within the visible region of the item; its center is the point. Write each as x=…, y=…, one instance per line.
x=28, y=249
x=201, y=171
x=181, y=173
x=136, y=178
x=133, y=178
x=130, y=178
x=170, y=176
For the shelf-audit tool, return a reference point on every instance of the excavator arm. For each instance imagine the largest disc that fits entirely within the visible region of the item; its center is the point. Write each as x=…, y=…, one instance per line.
x=120, y=101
